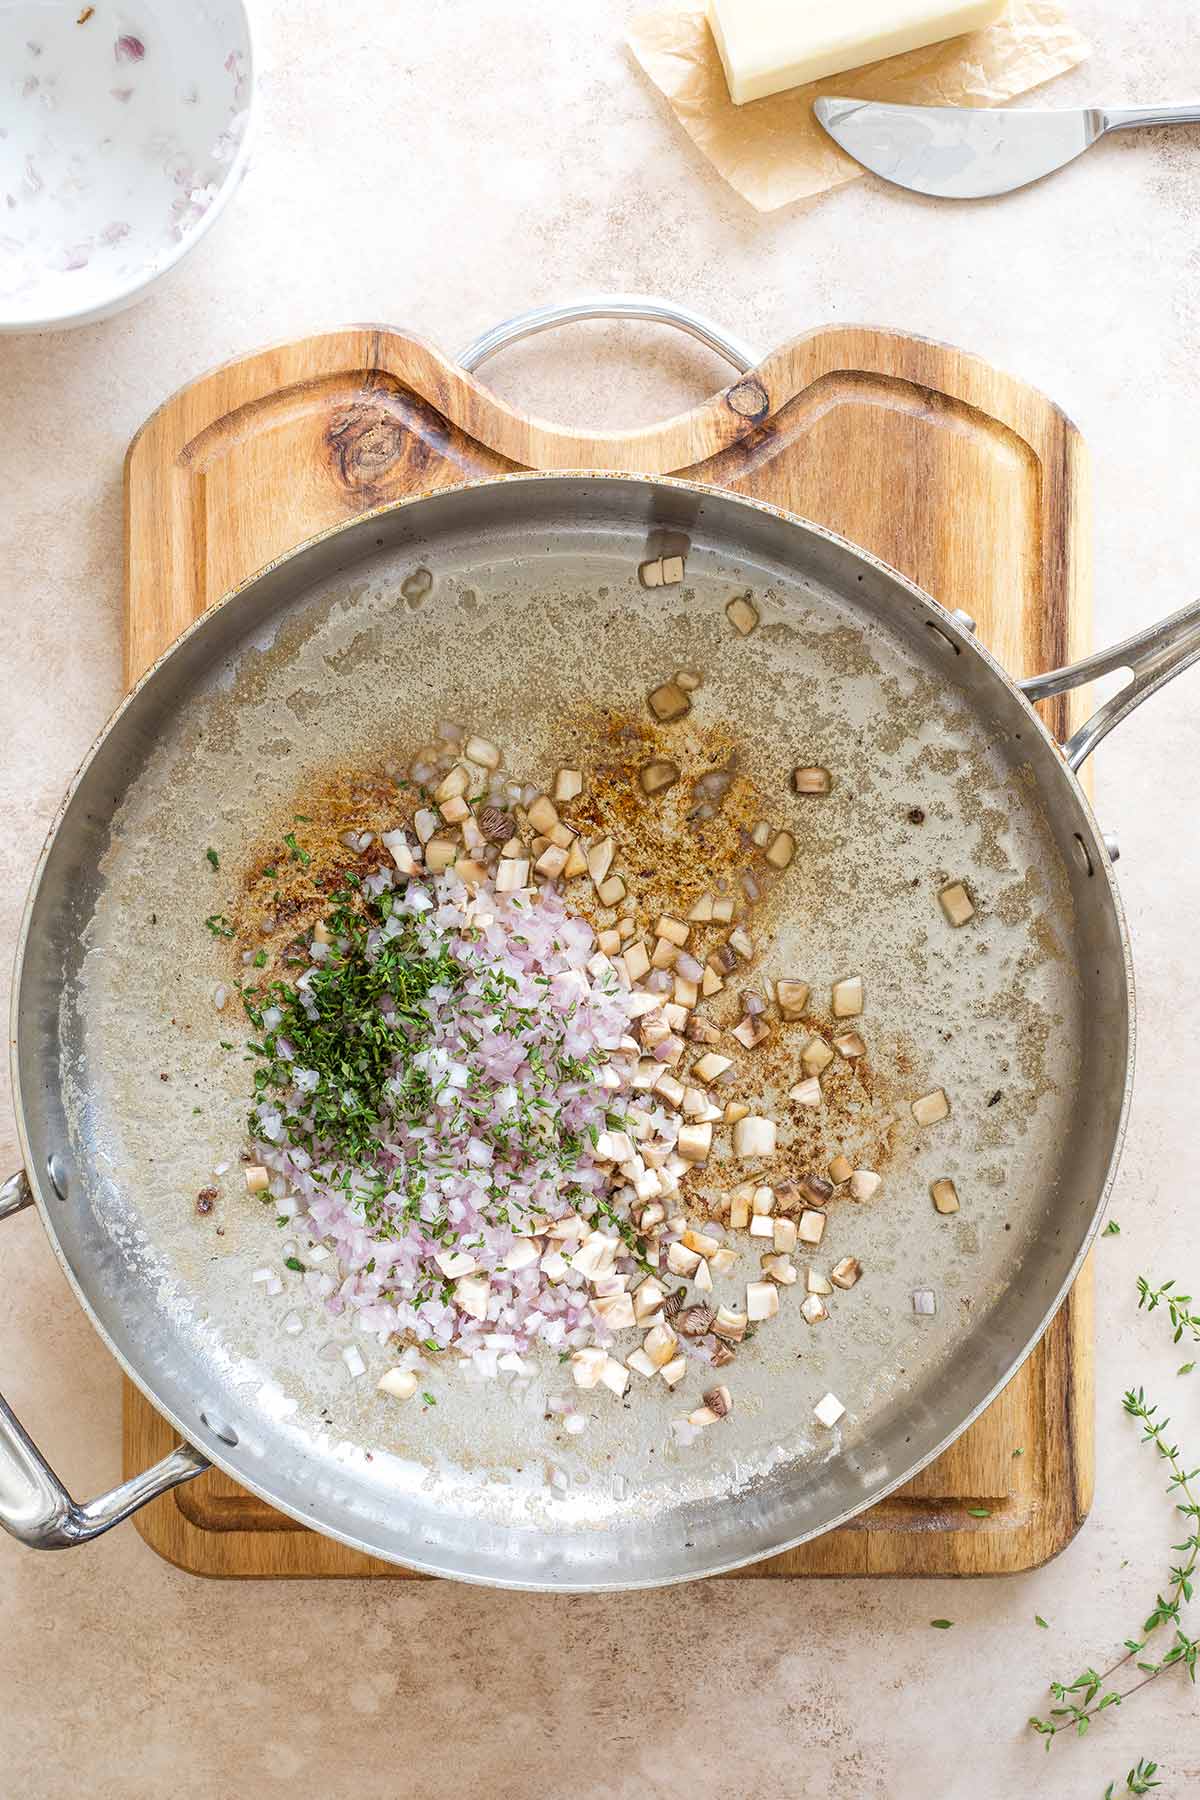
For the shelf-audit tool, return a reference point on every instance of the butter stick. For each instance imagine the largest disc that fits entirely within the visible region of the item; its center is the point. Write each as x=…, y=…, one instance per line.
x=769, y=45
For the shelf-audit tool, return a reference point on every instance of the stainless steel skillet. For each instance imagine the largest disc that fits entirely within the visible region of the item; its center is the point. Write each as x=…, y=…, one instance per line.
x=534, y=586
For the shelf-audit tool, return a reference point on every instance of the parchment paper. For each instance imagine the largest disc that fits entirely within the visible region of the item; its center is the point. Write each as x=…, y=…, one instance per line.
x=773, y=151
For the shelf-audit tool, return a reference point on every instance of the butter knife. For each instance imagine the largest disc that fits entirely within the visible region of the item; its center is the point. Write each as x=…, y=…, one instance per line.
x=972, y=153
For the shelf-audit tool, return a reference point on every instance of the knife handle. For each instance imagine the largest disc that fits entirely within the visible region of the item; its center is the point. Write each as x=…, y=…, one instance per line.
x=1126, y=118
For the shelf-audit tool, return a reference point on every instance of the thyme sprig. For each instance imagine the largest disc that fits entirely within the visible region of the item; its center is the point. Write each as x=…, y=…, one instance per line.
x=1139, y=1780
x=1176, y=1304
x=1084, y=1699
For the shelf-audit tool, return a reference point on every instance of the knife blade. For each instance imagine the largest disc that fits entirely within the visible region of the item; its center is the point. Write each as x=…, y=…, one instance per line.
x=973, y=153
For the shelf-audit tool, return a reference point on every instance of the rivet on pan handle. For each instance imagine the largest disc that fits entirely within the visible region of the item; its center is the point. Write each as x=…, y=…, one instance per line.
x=611, y=306
x=1153, y=657
x=34, y=1505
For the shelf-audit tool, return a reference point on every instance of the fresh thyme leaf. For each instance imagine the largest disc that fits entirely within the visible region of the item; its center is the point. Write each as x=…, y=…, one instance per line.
x=942, y=1624
x=980, y=1512
x=429, y=1399
x=260, y=959
x=213, y=858
x=219, y=925
x=1038, y=1620
x=1185, y=1368
x=293, y=1262
x=294, y=850
x=1112, y=1229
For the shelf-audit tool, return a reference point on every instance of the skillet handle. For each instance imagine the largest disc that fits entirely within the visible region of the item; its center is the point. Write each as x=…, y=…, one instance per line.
x=610, y=306
x=34, y=1505
x=1153, y=657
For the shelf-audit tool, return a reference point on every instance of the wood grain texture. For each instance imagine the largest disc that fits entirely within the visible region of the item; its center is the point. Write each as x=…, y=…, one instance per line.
x=971, y=483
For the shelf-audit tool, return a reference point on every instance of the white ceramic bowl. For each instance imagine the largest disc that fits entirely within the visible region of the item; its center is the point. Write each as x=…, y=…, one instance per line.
x=123, y=132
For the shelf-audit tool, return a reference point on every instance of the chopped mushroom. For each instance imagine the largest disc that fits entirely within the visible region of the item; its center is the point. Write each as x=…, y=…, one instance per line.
x=780, y=1269
x=781, y=851
x=816, y=1056
x=814, y=1310
x=674, y=1371
x=924, y=1302
x=672, y=571
x=742, y=615
x=702, y=912
x=739, y=1207
x=930, y=1107
x=762, y=1300
x=811, y=1228
x=849, y=1044
x=710, y=1066
x=481, y=751
x=657, y=776
x=681, y=1260
x=543, y=814
x=651, y=573
x=587, y=1366
x=730, y=1324
x=815, y=1282
x=649, y=1295
x=611, y=892
x=689, y=679
x=808, y=1093
x=791, y=997
x=599, y=859
x=257, y=1179
x=785, y=1234
x=718, y=1401
x=845, y=1273
x=828, y=1411
x=754, y=1136
x=840, y=1169
x=660, y=1344
x=811, y=781
x=568, y=785
x=615, y=1376
x=865, y=1184
x=694, y=1142
x=401, y=1384
x=956, y=903
x=668, y=702
x=751, y=1031
x=944, y=1195
x=848, y=997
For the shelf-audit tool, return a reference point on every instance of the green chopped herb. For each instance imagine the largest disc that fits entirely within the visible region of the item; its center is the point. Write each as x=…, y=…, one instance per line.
x=260, y=959
x=980, y=1512
x=429, y=1399
x=271, y=873
x=213, y=858
x=1038, y=1620
x=294, y=850
x=219, y=925
x=942, y=1624
x=1112, y=1229
x=1185, y=1368
x=293, y=1262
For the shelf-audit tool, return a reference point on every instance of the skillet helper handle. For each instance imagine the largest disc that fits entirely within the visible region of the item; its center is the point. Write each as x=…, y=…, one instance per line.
x=611, y=306
x=1153, y=657
x=34, y=1505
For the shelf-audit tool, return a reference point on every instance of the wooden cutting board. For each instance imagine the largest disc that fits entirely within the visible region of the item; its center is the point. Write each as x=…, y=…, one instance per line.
x=971, y=483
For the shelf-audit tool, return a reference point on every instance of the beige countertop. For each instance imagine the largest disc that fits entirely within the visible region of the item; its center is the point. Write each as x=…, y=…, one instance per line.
x=441, y=167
